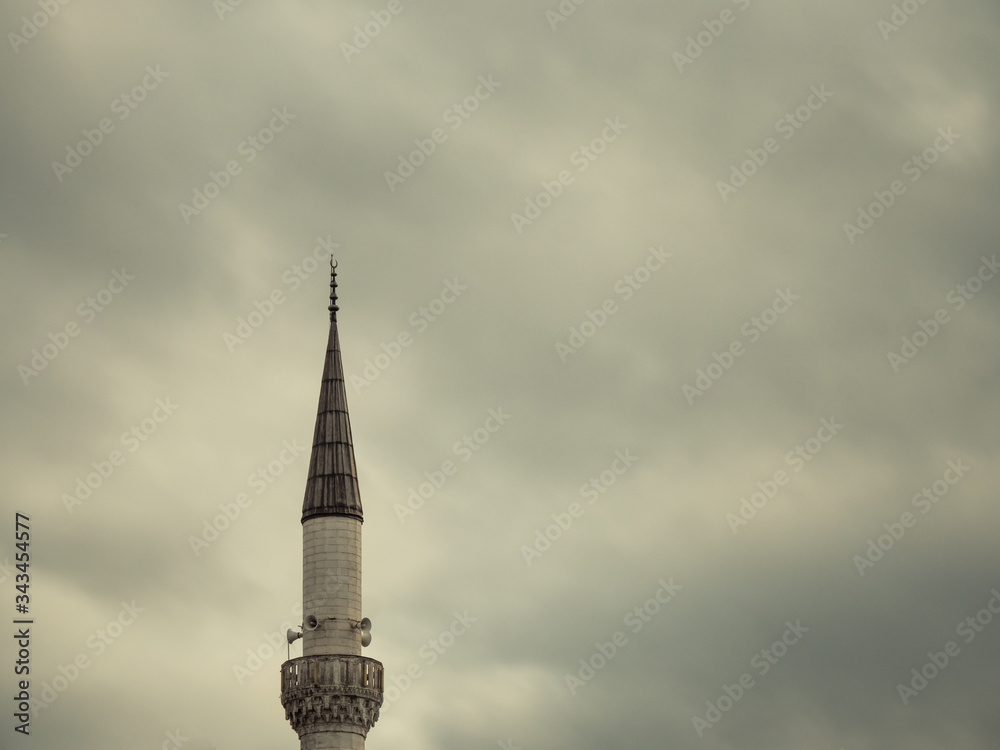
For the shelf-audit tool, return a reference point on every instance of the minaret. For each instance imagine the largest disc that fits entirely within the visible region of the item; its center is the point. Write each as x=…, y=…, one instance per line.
x=331, y=693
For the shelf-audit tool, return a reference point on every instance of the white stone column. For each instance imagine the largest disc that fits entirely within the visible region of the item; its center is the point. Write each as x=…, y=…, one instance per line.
x=332, y=741
x=331, y=585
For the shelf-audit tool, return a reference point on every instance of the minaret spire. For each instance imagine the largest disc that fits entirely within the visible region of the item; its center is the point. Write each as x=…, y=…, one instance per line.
x=332, y=694
x=332, y=484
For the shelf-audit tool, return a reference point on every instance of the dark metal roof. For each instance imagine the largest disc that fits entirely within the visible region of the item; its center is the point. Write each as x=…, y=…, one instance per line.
x=332, y=484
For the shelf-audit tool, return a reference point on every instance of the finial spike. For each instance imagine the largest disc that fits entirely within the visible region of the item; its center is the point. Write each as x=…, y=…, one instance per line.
x=333, y=290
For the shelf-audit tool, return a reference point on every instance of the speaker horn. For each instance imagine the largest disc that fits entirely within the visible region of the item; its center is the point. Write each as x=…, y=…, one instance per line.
x=366, y=638
x=310, y=623
x=365, y=625
x=292, y=636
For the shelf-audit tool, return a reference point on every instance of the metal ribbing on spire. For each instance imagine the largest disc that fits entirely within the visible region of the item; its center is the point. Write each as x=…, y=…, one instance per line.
x=332, y=483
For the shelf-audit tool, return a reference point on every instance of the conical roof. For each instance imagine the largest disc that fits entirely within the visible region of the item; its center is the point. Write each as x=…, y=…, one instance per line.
x=332, y=484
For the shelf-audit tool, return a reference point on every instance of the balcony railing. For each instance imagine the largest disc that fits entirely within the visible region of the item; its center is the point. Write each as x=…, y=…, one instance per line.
x=352, y=671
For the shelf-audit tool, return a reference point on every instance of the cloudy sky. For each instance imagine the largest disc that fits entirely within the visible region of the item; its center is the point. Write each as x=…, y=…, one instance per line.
x=699, y=300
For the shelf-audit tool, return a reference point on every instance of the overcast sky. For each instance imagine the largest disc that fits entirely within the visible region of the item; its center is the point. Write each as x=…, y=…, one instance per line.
x=615, y=268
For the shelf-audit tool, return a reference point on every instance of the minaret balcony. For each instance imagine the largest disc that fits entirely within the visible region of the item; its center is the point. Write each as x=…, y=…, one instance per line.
x=332, y=691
